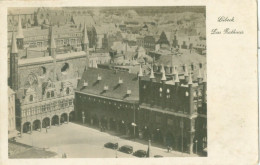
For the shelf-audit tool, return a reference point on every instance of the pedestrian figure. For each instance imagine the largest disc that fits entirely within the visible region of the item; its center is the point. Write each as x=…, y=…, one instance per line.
x=46, y=130
x=168, y=148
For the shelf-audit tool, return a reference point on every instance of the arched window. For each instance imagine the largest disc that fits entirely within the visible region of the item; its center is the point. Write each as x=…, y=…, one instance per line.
x=48, y=94
x=52, y=93
x=31, y=97
x=67, y=91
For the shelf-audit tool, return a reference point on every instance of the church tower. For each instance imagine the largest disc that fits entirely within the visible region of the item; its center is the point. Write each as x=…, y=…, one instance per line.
x=20, y=36
x=14, y=64
x=85, y=41
x=52, y=45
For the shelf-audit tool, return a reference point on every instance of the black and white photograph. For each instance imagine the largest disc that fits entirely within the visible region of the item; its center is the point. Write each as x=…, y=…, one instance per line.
x=107, y=82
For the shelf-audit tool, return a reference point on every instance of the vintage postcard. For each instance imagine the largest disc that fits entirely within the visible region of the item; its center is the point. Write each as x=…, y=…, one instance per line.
x=170, y=82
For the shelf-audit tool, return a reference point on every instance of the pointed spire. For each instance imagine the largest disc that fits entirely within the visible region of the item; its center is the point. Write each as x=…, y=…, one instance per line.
x=162, y=70
x=152, y=74
x=177, y=80
x=85, y=35
x=163, y=76
x=205, y=77
x=52, y=44
x=14, y=46
x=19, y=29
x=190, y=79
x=140, y=74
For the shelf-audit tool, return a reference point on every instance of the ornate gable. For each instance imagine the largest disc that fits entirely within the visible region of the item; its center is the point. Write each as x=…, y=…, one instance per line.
x=48, y=89
x=30, y=95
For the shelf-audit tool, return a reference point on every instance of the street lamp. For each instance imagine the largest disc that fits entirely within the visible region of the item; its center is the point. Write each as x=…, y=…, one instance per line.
x=83, y=118
x=134, y=125
x=196, y=146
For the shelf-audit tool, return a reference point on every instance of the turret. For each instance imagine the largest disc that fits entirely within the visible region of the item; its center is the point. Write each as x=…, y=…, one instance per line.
x=186, y=74
x=14, y=64
x=85, y=41
x=163, y=79
x=152, y=74
x=199, y=77
x=52, y=46
x=20, y=36
x=191, y=102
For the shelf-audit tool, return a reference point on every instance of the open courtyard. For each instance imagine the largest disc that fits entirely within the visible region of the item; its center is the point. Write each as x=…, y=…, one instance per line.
x=79, y=141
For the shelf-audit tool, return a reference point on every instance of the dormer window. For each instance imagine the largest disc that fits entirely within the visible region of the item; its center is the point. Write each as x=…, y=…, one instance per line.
x=128, y=92
x=85, y=84
x=120, y=81
x=99, y=77
x=105, y=88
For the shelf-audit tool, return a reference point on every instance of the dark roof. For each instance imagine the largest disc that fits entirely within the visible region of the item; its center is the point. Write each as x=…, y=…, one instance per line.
x=110, y=78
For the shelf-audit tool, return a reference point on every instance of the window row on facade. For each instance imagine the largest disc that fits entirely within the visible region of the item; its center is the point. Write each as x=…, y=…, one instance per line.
x=47, y=108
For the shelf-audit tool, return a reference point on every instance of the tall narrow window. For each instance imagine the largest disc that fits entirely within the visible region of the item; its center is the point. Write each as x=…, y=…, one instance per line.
x=52, y=93
x=48, y=94
x=67, y=91
x=31, y=97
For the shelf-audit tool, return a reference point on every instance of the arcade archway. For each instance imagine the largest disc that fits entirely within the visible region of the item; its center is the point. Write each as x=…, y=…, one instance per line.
x=26, y=127
x=36, y=125
x=45, y=122
x=63, y=118
x=55, y=120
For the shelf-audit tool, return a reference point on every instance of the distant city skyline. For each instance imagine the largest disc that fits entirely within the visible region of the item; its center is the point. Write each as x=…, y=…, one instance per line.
x=142, y=10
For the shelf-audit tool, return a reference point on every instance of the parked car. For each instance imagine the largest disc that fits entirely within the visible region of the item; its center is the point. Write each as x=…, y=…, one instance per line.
x=158, y=156
x=111, y=145
x=140, y=153
x=126, y=149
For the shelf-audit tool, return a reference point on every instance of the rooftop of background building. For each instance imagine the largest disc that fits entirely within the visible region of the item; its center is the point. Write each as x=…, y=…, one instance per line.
x=110, y=78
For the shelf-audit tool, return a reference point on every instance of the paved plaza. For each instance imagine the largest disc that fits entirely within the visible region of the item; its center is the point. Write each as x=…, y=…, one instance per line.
x=79, y=141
